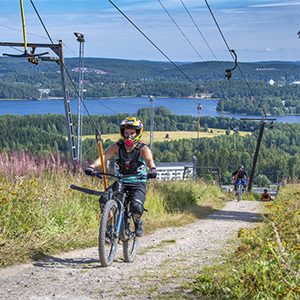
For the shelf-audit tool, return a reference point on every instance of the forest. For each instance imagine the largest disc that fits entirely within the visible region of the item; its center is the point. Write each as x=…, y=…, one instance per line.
x=121, y=78
x=278, y=159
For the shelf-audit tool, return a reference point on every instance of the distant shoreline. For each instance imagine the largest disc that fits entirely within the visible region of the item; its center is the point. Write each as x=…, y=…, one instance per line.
x=143, y=96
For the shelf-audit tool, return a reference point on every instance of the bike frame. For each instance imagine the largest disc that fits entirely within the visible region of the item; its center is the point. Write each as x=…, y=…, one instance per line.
x=121, y=216
x=240, y=190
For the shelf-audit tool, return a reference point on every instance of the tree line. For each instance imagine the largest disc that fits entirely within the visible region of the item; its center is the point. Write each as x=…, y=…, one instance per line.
x=278, y=158
x=123, y=78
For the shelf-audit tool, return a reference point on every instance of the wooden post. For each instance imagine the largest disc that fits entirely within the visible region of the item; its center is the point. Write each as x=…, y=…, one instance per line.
x=99, y=142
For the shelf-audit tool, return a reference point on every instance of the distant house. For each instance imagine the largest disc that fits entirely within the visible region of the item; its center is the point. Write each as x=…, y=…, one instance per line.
x=271, y=82
x=295, y=82
x=44, y=92
x=174, y=171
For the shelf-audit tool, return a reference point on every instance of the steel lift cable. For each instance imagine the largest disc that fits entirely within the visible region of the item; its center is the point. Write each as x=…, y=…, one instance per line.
x=232, y=53
x=30, y=55
x=197, y=27
x=138, y=29
x=187, y=39
x=185, y=36
x=41, y=22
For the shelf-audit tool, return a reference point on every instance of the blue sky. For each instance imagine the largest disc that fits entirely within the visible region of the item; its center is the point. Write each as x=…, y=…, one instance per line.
x=256, y=30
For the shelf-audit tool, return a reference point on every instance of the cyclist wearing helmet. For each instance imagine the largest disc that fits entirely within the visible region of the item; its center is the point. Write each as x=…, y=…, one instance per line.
x=265, y=196
x=132, y=157
x=240, y=175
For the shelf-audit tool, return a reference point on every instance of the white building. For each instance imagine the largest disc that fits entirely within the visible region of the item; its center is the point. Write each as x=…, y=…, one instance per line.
x=174, y=171
x=271, y=82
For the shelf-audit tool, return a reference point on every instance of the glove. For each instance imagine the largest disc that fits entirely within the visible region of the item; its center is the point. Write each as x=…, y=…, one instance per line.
x=89, y=171
x=152, y=173
x=248, y=179
x=232, y=177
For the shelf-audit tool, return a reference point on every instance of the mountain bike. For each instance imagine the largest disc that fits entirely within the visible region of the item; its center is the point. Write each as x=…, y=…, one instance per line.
x=117, y=223
x=239, y=191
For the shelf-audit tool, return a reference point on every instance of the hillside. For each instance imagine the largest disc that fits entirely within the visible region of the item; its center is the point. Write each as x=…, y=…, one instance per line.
x=122, y=78
x=166, y=258
x=284, y=72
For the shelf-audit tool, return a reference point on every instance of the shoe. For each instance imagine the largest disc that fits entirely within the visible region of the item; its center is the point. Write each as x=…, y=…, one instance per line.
x=139, y=229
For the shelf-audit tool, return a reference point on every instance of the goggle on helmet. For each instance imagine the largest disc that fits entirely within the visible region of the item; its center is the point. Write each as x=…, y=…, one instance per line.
x=131, y=123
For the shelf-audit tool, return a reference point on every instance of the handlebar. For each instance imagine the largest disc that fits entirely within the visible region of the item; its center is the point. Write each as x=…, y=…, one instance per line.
x=119, y=176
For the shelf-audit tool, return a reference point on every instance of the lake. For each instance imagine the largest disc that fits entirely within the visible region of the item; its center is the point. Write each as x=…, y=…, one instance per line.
x=178, y=106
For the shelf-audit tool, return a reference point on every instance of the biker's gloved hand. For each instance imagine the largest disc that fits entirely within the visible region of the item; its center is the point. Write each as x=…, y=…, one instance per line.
x=152, y=173
x=248, y=179
x=232, y=177
x=89, y=171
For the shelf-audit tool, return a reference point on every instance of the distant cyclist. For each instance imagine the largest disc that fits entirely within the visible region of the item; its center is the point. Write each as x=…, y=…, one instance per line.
x=265, y=196
x=240, y=175
x=132, y=157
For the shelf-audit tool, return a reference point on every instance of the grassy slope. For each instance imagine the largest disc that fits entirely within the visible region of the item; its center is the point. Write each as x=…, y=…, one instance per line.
x=265, y=263
x=40, y=214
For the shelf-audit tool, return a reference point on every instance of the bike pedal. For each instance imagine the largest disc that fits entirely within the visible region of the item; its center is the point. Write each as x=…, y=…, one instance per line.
x=107, y=241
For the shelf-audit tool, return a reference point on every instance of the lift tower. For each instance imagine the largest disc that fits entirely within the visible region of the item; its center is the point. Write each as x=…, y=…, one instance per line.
x=58, y=50
x=260, y=135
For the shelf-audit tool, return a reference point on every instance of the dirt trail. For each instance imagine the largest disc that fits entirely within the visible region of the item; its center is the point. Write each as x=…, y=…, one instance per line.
x=165, y=260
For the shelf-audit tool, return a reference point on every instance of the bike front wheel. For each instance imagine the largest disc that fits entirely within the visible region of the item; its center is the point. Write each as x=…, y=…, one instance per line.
x=131, y=243
x=108, y=238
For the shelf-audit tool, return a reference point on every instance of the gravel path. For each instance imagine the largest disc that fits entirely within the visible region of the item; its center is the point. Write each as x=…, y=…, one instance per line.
x=165, y=260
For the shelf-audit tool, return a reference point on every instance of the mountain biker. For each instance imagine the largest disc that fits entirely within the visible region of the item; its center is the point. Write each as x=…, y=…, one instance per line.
x=265, y=196
x=132, y=157
x=240, y=175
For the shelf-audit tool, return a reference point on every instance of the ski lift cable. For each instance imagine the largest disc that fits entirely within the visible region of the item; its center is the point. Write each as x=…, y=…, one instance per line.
x=10, y=68
x=199, y=31
x=145, y=133
x=30, y=81
x=64, y=66
x=189, y=40
x=145, y=36
x=232, y=53
x=42, y=22
x=131, y=22
x=69, y=76
x=77, y=92
x=184, y=35
x=18, y=30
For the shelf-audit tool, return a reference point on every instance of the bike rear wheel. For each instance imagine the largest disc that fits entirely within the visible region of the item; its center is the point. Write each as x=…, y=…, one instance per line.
x=108, y=240
x=131, y=242
x=240, y=191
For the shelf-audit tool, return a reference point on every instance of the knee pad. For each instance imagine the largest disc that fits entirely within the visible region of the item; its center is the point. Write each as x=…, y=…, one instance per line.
x=137, y=208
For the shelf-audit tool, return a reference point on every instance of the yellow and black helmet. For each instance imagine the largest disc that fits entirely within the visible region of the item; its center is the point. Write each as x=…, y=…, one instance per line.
x=131, y=123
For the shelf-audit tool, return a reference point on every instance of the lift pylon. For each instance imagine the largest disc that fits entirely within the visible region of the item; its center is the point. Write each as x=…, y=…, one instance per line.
x=58, y=50
x=260, y=135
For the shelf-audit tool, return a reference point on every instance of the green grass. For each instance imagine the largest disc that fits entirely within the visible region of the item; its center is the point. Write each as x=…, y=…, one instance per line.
x=41, y=215
x=266, y=263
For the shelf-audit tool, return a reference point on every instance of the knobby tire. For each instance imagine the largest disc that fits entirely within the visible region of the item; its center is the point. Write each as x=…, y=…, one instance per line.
x=130, y=244
x=240, y=193
x=107, y=251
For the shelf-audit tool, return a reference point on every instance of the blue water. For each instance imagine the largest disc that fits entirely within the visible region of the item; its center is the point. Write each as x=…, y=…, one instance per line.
x=183, y=106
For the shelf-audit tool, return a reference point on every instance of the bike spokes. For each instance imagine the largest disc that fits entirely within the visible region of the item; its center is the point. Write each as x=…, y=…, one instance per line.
x=108, y=238
x=130, y=245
